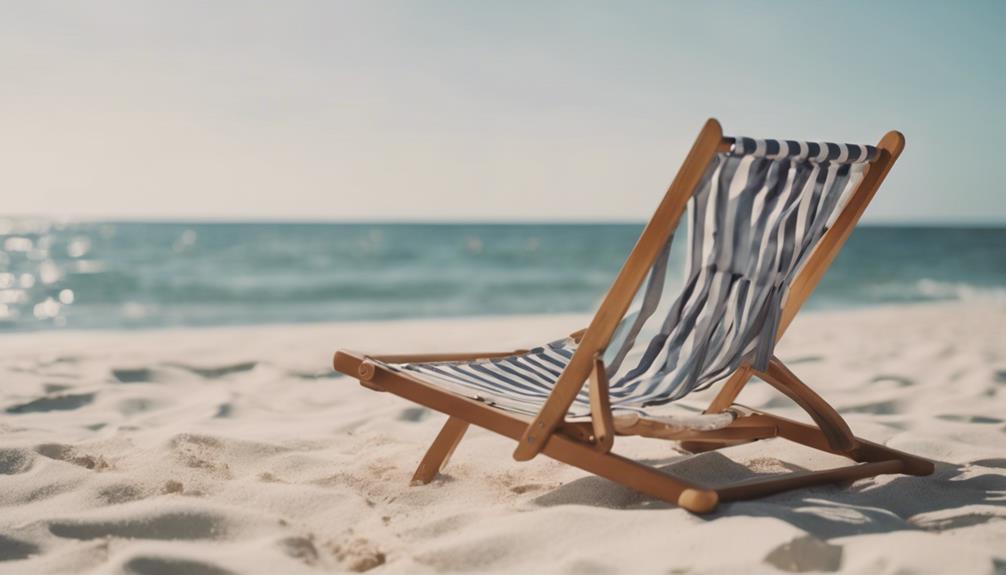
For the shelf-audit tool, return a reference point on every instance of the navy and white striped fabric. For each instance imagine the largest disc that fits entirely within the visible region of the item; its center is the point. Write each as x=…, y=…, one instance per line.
x=753, y=220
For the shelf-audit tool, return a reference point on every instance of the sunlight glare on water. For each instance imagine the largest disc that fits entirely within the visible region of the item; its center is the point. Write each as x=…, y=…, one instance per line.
x=128, y=275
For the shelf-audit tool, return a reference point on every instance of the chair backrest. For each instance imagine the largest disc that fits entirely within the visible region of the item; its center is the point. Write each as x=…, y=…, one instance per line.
x=758, y=213
x=702, y=167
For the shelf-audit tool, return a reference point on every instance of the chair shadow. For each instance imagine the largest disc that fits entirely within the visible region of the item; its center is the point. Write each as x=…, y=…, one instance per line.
x=880, y=505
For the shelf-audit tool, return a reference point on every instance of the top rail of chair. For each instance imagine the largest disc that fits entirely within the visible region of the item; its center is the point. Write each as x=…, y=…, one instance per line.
x=799, y=151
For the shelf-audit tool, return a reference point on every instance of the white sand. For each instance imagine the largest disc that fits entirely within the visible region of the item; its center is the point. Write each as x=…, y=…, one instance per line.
x=235, y=450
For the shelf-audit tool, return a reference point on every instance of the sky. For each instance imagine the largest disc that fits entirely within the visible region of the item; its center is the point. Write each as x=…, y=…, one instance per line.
x=459, y=111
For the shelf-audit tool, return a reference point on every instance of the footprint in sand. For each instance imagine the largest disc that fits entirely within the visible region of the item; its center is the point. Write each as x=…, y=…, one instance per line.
x=14, y=461
x=413, y=414
x=135, y=375
x=216, y=372
x=969, y=418
x=201, y=452
x=55, y=387
x=61, y=360
x=998, y=463
x=301, y=548
x=804, y=554
x=66, y=453
x=170, y=525
x=185, y=439
x=168, y=565
x=122, y=493
x=53, y=403
x=311, y=375
x=357, y=555
x=875, y=408
x=13, y=549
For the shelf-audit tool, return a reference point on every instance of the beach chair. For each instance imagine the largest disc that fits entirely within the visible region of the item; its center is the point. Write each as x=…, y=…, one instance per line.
x=765, y=220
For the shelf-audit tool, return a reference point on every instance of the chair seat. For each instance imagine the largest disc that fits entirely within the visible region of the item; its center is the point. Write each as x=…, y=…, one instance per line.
x=521, y=383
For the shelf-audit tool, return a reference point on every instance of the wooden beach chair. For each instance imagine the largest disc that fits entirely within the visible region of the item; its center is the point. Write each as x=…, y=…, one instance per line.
x=765, y=220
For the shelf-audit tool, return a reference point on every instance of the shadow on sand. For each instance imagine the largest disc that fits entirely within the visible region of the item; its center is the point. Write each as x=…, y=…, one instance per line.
x=954, y=496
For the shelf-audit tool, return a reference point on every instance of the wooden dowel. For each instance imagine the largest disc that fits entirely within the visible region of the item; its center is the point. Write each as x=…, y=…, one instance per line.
x=440, y=452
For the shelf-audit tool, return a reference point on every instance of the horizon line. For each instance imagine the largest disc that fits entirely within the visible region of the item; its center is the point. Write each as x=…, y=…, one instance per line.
x=237, y=220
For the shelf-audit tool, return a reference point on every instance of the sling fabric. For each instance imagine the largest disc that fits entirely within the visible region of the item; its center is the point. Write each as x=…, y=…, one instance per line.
x=753, y=220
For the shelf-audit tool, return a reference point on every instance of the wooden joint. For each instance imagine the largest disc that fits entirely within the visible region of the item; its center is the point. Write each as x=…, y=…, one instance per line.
x=581, y=431
x=698, y=500
x=366, y=373
x=831, y=424
x=367, y=370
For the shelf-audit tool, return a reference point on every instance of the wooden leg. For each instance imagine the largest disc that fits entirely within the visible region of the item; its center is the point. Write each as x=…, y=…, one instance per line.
x=440, y=452
x=835, y=428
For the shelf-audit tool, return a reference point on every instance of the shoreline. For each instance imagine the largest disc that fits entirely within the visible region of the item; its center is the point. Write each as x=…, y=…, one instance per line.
x=986, y=301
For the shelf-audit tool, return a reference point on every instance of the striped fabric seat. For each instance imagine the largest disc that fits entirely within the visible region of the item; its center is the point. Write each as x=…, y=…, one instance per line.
x=756, y=216
x=519, y=383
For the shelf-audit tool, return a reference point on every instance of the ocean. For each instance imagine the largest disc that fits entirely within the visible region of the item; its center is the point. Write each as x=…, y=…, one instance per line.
x=115, y=275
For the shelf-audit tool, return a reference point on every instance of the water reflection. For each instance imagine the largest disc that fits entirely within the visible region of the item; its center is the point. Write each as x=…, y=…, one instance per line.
x=32, y=261
x=122, y=275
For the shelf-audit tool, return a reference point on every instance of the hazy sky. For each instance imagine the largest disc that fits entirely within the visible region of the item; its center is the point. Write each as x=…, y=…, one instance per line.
x=478, y=110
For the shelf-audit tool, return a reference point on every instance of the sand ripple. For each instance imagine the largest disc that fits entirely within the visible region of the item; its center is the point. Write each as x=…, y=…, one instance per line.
x=225, y=451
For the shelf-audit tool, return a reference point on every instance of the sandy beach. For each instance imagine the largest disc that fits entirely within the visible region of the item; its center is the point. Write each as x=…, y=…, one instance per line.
x=237, y=450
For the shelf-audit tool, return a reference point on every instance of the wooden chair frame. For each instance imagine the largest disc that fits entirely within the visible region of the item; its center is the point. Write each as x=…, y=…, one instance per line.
x=588, y=445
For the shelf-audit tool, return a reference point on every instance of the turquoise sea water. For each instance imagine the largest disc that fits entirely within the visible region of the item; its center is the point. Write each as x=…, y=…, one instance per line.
x=143, y=275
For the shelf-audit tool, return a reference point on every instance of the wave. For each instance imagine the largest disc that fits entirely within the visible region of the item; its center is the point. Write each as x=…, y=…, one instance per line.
x=112, y=275
x=938, y=290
